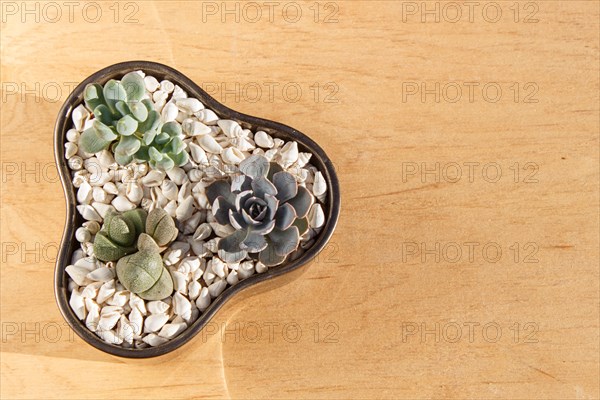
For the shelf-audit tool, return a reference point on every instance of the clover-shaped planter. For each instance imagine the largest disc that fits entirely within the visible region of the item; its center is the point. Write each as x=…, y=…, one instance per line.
x=73, y=220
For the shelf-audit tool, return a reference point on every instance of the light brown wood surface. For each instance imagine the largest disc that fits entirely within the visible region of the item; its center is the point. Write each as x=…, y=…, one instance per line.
x=380, y=310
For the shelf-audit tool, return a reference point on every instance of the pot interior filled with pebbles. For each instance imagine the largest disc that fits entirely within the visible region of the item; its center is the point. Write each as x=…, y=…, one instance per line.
x=176, y=205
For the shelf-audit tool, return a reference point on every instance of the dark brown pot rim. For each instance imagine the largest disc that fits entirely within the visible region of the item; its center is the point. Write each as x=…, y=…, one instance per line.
x=74, y=220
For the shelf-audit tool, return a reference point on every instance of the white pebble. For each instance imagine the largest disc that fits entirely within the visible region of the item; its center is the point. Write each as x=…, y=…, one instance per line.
x=84, y=193
x=121, y=203
x=232, y=155
x=246, y=269
x=232, y=278
x=106, y=291
x=190, y=105
x=169, y=331
x=77, y=304
x=89, y=213
x=154, y=340
x=72, y=135
x=209, y=144
x=157, y=307
x=217, y=288
x=103, y=274
x=151, y=83
x=194, y=290
x=181, y=305
x=203, y=300
x=167, y=86
x=169, y=112
x=83, y=235
x=75, y=163
x=263, y=139
x=154, y=322
x=316, y=216
x=260, y=268
x=289, y=154
x=78, y=274
x=207, y=116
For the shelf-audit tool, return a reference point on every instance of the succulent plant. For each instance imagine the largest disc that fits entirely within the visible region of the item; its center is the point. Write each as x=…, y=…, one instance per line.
x=134, y=239
x=143, y=273
x=120, y=232
x=128, y=123
x=163, y=149
x=266, y=207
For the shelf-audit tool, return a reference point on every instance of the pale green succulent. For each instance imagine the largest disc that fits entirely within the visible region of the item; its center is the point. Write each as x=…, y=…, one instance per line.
x=133, y=238
x=120, y=232
x=143, y=273
x=130, y=126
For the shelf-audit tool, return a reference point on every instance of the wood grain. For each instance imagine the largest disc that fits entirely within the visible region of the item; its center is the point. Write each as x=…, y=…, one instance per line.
x=379, y=313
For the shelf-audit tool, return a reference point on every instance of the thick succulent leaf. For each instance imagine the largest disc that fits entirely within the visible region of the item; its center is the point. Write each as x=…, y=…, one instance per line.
x=175, y=146
x=219, y=188
x=138, y=272
x=161, y=227
x=261, y=186
x=151, y=122
x=241, y=183
x=120, y=230
x=268, y=256
x=255, y=166
x=263, y=228
x=180, y=158
x=162, y=138
x=161, y=289
x=284, y=241
x=122, y=108
x=148, y=137
x=255, y=204
x=273, y=169
x=272, y=205
x=249, y=220
x=166, y=164
x=90, y=142
x=106, y=250
x=128, y=145
x=138, y=218
x=148, y=104
x=113, y=92
x=103, y=114
x=145, y=242
x=302, y=225
x=236, y=220
x=93, y=97
x=302, y=202
x=172, y=129
x=242, y=198
x=285, y=216
x=138, y=110
x=254, y=242
x=127, y=125
x=286, y=186
x=155, y=154
x=220, y=209
x=103, y=131
x=122, y=158
x=134, y=86
x=229, y=247
x=232, y=257
x=143, y=153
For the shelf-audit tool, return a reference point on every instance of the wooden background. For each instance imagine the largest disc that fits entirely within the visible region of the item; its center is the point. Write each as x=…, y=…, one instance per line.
x=383, y=312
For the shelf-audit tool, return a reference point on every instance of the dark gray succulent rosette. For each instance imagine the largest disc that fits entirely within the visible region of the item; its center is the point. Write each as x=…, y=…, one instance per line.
x=266, y=207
